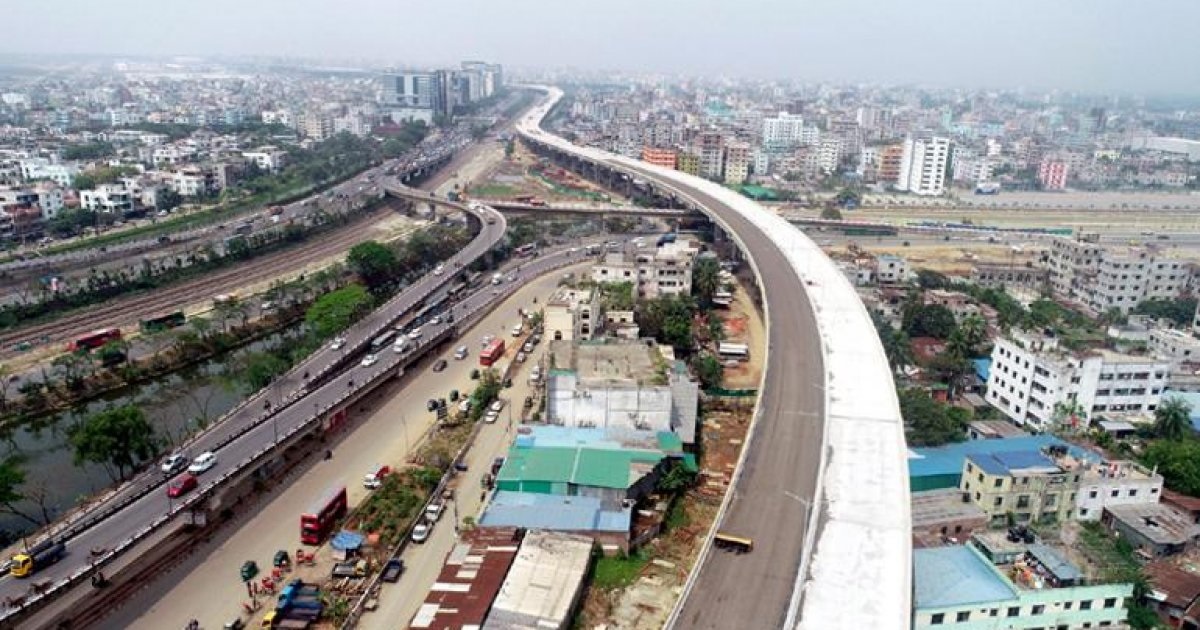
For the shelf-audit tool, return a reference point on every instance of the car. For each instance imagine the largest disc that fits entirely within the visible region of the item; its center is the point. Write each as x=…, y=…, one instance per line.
x=437, y=319
x=496, y=405
x=268, y=306
x=414, y=333
x=236, y=624
x=338, y=343
x=491, y=417
x=174, y=463
x=521, y=356
x=439, y=365
x=486, y=340
x=460, y=353
x=182, y=485
x=516, y=330
x=433, y=511
x=464, y=405
x=400, y=346
x=528, y=347
x=369, y=360
x=420, y=533
x=431, y=404
x=392, y=570
x=203, y=462
x=437, y=271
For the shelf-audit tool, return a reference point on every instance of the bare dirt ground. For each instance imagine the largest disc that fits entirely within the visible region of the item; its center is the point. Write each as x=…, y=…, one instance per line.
x=743, y=324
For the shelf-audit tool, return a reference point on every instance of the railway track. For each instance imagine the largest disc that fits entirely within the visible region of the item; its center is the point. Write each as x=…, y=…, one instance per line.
x=127, y=311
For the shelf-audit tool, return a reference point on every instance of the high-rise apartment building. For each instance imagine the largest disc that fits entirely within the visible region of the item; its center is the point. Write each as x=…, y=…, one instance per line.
x=887, y=170
x=1052, y=174
x=710, y=148
x=784, y=130
x=923, y=166
x=737, y=162
x=1102, y=276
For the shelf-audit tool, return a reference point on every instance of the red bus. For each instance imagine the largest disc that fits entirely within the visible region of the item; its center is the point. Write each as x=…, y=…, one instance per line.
x=316, y=523
x=94, y=340
x=492, y=352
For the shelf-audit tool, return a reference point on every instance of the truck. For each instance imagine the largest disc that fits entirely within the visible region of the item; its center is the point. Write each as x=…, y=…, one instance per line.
x=374, y=478
x=393, y=570
x=295, y=588
x=289, y=619
x=37, y=558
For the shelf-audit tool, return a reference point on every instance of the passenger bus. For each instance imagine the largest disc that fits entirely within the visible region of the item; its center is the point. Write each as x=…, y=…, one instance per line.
x=381, y=342
x=739, y=351
x=736, y=544
x=491, y=352
x=318, y=521
x=94, y=340
x=525, y=251
x=156, y=324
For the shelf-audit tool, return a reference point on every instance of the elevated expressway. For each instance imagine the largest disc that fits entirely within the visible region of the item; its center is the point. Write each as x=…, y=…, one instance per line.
x=822, y=485
x=308, y=400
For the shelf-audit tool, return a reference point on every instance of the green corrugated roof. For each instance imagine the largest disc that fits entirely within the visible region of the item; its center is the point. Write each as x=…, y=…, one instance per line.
x=669, y=442
x=582, y=466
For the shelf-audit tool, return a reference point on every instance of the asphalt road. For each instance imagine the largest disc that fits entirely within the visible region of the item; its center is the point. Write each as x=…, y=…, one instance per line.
x=151, y=506
x=753, y=590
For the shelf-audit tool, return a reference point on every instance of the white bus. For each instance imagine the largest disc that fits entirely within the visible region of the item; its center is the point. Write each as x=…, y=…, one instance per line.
x=739, y=351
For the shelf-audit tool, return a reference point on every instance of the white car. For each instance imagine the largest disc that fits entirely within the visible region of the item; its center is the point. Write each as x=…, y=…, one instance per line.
x=490, y=417
x=465, y=405
x=437, y=271
x=460, y=353
x=437, y=319
x=420, y=533
x=338, y=343
x=175, y=463
x=516, y=330
x=202, y=463
x=483, y=343
x=433, y=512
x=400, y=346
x=414, y=333
x=496, y=405
x=369, y=360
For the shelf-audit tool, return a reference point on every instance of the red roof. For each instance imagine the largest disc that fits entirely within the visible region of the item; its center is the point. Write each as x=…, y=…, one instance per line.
x=470, y=579
x=1182, y=501
x=1180, y=587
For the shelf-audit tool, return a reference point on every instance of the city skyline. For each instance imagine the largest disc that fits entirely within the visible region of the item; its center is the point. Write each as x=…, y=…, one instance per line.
x=1101, y=46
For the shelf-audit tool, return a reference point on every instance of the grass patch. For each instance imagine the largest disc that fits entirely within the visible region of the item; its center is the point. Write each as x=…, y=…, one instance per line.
x=677, y=516
x=494, y=190
x=619, y=571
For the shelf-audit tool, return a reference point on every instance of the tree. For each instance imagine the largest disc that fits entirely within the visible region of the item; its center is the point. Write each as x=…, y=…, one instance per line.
x=374, y=263
x=968, y=336
x=831, y=213
x=931, y=423
x=931, y=320
x=706, y=280
x=167, y=199
x=929, y=279
x=676, y=478
x=71, y=365
x=708, y=370
x=335, y=311
x=1178, y=461
x=1180, y=310
x=12, y=478
x=1172, y=419
x=118, y=439
x=669, y=320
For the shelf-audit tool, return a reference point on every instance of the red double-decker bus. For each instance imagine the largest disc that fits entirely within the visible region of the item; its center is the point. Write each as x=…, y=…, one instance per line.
x=94, y=340
x=316, y=523
x=492, y=352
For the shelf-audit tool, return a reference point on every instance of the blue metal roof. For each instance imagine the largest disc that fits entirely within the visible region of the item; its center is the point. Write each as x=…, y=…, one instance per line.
x=591, y=437
x=949, y=577
x=555, y=512
x=948, y=459
x=1003, y=462
x=983, y=367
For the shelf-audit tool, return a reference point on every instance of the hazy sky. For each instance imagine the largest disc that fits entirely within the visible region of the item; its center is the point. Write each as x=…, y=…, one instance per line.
x=1103, y=45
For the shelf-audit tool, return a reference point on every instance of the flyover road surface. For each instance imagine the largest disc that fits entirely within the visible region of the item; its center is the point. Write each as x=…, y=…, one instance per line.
x=753, y=590
x=234, y=441
x=389, y=432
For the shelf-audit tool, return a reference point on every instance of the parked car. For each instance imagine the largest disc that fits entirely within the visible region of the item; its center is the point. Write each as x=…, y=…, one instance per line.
x=414, y=333
x=392, y=570
x=521, y=356
x=369, y=360
x=431, y=405
x=338, y=343
x=203, y=462
x=439, y=365
x=491, y=417
x=460, y=353
x=420, y=533
x=496, y=405
x=433, y=512
x=516, y=330
x=174, y=463
x=528, y=347
x=182, y=485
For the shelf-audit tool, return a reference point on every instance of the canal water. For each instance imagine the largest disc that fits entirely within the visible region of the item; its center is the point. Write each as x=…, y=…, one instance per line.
x=177, y=405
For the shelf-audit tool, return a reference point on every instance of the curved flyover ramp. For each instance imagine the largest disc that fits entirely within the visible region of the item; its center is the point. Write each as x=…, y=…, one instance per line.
x=822, y=486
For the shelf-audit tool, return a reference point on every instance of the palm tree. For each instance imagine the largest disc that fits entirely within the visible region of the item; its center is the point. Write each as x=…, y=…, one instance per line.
x=898, y=349
x=202, y=326
x=1172, y=419
x=968, y=336
x=706, y=279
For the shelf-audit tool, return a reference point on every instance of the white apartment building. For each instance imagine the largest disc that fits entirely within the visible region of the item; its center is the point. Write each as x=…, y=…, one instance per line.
x=572, y=314
x=107, y=198
x=268, y=159
x=829, y=153
x=654, y=271
x=1174, y=346
x=890, y=268
x=923, y=167
x=1107, y=484
x=42, y=168
x=192, y=182
x=1031, y=375
x=784, y=130
x=1101, y=276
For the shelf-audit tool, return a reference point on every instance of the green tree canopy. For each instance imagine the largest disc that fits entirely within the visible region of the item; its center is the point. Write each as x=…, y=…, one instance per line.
x=708, y=370
x=930, y=320
x=668, y=319
x=1180, y=311
x=706, y=280
x=928, y=422
x=831, y=213
x=375, y=263
x=118, y=439
x=1178, y=461
x=1172, y=419
x=336, y=310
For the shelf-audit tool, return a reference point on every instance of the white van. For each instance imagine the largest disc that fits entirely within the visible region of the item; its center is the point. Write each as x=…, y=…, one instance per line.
x=497, y=278
x=460, y=353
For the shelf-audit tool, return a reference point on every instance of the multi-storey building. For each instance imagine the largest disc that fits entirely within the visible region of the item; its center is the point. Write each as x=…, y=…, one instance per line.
x=710, y=148
x=923, y=166
x=1108, y=484
x=1032, y=378
x=1029, y=485
x=688, y=162
x=268, y=159
x=658, y=157
x=988, y=586
x=654, y=271
x=1175, y=346
x=1052, y=174
x=108, y=199
x=890, y=159
x=737, y=162
x=784, y=130
x=1101, y=277
x=829, y=153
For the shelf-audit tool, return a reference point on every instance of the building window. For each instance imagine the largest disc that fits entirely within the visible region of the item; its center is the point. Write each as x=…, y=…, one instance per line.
x=1067, y=605
x=1014, y=611
x=993, y=612
x=1083, y=511
x=1037, y=609
x=1133, y=492
x=998, y=482
x=963, y=616
x=937, y=619
x=1114, y=493
x=1110, y=602
x=1023, y=501
x=1085, y=604
x=1092, y=494
x=998, y=502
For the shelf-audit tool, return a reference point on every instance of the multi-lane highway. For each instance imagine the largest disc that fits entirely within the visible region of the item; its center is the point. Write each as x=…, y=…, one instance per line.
x=243, y=433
